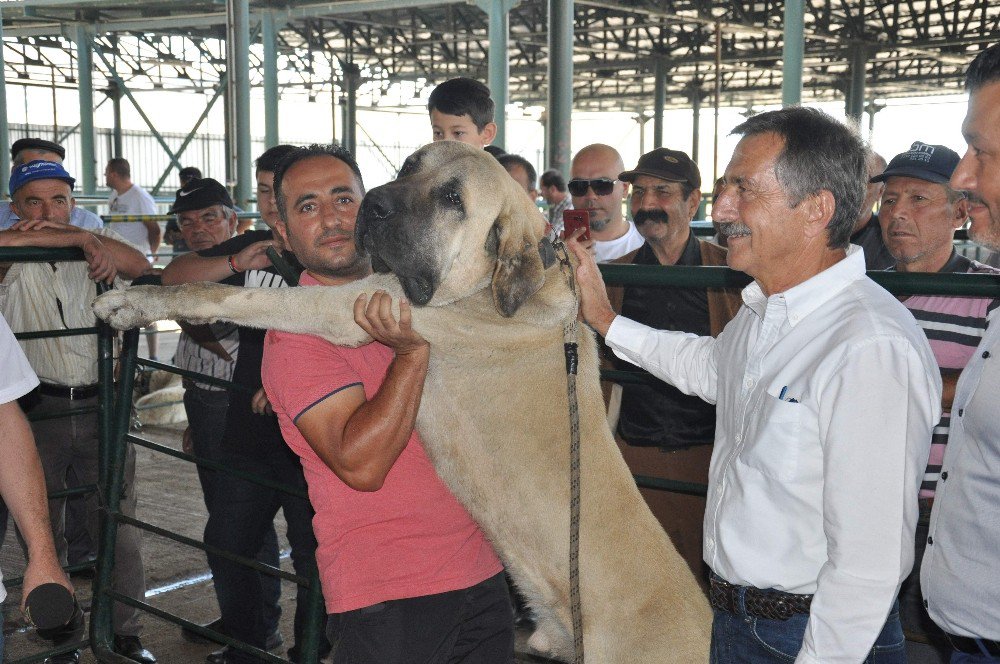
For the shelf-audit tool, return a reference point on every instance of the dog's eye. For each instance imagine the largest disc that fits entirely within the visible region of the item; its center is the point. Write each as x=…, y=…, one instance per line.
x=453, y=198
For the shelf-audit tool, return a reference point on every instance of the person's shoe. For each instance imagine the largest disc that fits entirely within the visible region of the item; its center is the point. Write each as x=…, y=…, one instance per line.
x=131, y=647
x=193, y=637
x=72, y=657
x=221, y=656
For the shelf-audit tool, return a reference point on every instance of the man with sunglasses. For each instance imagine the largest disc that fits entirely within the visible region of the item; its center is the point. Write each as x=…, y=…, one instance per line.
x=595, y=187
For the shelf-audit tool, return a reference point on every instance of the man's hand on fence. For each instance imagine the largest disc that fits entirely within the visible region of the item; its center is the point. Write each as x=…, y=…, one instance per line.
x=99, y=258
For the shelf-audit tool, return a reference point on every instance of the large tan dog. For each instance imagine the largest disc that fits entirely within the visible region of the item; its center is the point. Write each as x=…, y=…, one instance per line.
x=462, y=239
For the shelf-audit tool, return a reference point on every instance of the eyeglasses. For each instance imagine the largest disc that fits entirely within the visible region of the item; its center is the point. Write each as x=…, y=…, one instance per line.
x=601, y=186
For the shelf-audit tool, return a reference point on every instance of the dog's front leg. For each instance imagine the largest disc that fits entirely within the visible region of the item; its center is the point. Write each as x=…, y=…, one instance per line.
x=327, y=312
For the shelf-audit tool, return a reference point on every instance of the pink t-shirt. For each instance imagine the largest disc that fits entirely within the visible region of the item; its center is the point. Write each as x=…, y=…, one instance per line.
x=408, y=539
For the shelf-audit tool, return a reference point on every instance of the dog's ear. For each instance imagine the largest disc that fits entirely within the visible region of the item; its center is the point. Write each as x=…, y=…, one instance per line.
x=519, y=271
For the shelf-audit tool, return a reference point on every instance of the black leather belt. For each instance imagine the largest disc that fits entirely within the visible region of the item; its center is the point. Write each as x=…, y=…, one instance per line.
x=73, y=393
x=971, y=646
x=770, y=604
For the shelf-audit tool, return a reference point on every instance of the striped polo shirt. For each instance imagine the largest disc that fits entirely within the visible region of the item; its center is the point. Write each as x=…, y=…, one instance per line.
x=954, y=326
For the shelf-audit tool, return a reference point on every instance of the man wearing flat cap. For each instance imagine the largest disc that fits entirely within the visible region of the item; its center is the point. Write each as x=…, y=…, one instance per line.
x=666, y=193
x=57, y=295
x=30, y=149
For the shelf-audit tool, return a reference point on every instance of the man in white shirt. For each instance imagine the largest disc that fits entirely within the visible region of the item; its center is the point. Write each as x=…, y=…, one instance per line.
x=826, y=392
x=595, y=187
x=959, y=575
x=130, y=199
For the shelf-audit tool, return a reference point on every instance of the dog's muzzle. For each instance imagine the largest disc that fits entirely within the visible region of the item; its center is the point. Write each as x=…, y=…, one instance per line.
x=382, y=231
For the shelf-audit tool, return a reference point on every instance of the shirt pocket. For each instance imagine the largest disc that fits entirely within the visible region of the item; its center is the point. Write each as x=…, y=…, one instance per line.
x=775, y=445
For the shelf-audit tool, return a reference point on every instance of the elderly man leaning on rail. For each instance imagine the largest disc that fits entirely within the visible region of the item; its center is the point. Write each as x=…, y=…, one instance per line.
x=24, y=150
x=919, y=215
x=826, y=392
x=57, y=295
x=959, y=575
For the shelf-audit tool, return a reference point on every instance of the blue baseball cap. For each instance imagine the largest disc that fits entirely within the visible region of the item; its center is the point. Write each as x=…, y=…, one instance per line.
x=39, y=170
x=933, y=163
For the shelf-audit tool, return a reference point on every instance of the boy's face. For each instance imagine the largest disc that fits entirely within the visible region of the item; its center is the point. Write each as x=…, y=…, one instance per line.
x=460, y=128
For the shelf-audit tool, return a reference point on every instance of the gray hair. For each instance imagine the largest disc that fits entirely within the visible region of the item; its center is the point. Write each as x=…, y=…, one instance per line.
x=820, y=154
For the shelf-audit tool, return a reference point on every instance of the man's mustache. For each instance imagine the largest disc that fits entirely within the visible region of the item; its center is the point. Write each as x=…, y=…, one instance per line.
x=733, y=229
x=656, y=216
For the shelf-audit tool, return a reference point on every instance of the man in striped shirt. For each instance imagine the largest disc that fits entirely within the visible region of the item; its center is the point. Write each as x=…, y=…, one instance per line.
x=919, y=215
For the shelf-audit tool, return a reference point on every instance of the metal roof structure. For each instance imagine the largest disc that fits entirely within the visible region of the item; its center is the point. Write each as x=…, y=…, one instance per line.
x=909, y=47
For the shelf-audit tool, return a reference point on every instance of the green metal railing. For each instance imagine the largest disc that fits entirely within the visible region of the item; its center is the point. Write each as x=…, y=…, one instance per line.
x=105, y=597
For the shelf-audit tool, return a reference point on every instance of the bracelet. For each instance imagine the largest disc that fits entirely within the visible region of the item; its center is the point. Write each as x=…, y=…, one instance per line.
x=232, y=264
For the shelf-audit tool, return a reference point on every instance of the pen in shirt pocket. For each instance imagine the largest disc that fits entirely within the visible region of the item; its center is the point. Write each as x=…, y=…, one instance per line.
x=781, y=396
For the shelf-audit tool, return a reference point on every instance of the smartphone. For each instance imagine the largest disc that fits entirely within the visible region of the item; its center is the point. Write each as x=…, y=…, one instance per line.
x=574, y=219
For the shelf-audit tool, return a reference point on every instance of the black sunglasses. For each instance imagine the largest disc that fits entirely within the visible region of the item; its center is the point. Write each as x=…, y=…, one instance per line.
x=601, y=186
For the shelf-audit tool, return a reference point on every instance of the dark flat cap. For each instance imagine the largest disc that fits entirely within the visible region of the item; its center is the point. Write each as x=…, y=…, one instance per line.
x=37, y=144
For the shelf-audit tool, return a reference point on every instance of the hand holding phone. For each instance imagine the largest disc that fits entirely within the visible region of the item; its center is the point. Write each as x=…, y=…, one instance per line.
x=574, y=219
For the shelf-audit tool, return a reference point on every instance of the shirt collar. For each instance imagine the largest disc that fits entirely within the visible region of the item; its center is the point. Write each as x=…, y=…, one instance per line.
x=801, y=300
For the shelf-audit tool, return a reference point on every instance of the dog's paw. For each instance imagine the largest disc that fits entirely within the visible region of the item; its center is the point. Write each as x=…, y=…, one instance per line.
x=124, y=309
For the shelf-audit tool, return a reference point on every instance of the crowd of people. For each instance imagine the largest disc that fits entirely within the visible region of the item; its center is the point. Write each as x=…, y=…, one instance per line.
x=845, y=433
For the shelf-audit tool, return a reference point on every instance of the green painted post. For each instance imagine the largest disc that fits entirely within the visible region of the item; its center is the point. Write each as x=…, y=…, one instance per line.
x=102, y=609
x=85, y=86
x=560, y=76
x=793, y=52
x=269, y=37
x=659, y=101
x=4, y=130
x=240, y=59
x=855, y=102
x=349, y=133
x=499, y=65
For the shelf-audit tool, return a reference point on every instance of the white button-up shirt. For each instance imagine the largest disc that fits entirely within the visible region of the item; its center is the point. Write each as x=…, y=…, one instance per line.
x=826, y=397
x=960, y=576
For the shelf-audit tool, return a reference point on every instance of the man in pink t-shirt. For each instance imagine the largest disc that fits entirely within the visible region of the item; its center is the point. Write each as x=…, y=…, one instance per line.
x=409, y=574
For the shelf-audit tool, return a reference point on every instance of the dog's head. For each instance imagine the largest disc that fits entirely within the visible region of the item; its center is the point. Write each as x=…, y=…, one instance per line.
x=452, y=222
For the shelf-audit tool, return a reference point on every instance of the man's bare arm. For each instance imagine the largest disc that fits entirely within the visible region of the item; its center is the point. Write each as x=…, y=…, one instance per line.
x=154, y=234
x=361, y=439
x=23, y=488
x=192, y=267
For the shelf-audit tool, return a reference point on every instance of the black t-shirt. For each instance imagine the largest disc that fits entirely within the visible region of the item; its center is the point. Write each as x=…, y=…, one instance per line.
x=246, y=432
x=661, y=415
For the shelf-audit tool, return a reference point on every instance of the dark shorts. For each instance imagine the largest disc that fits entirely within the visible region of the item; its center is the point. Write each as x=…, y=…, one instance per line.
x=471, y=626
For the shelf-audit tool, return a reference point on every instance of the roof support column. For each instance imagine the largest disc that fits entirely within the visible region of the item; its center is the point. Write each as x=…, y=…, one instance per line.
x=855, y=103
x=85, y=83
x=659, y=100
x=238, y=68
x=349, y=131
x=4, y=129
x=499, y=64
x=793, y=51
x=695, y=123
x=560, y=75
x=269, y=39
x=115, y=91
